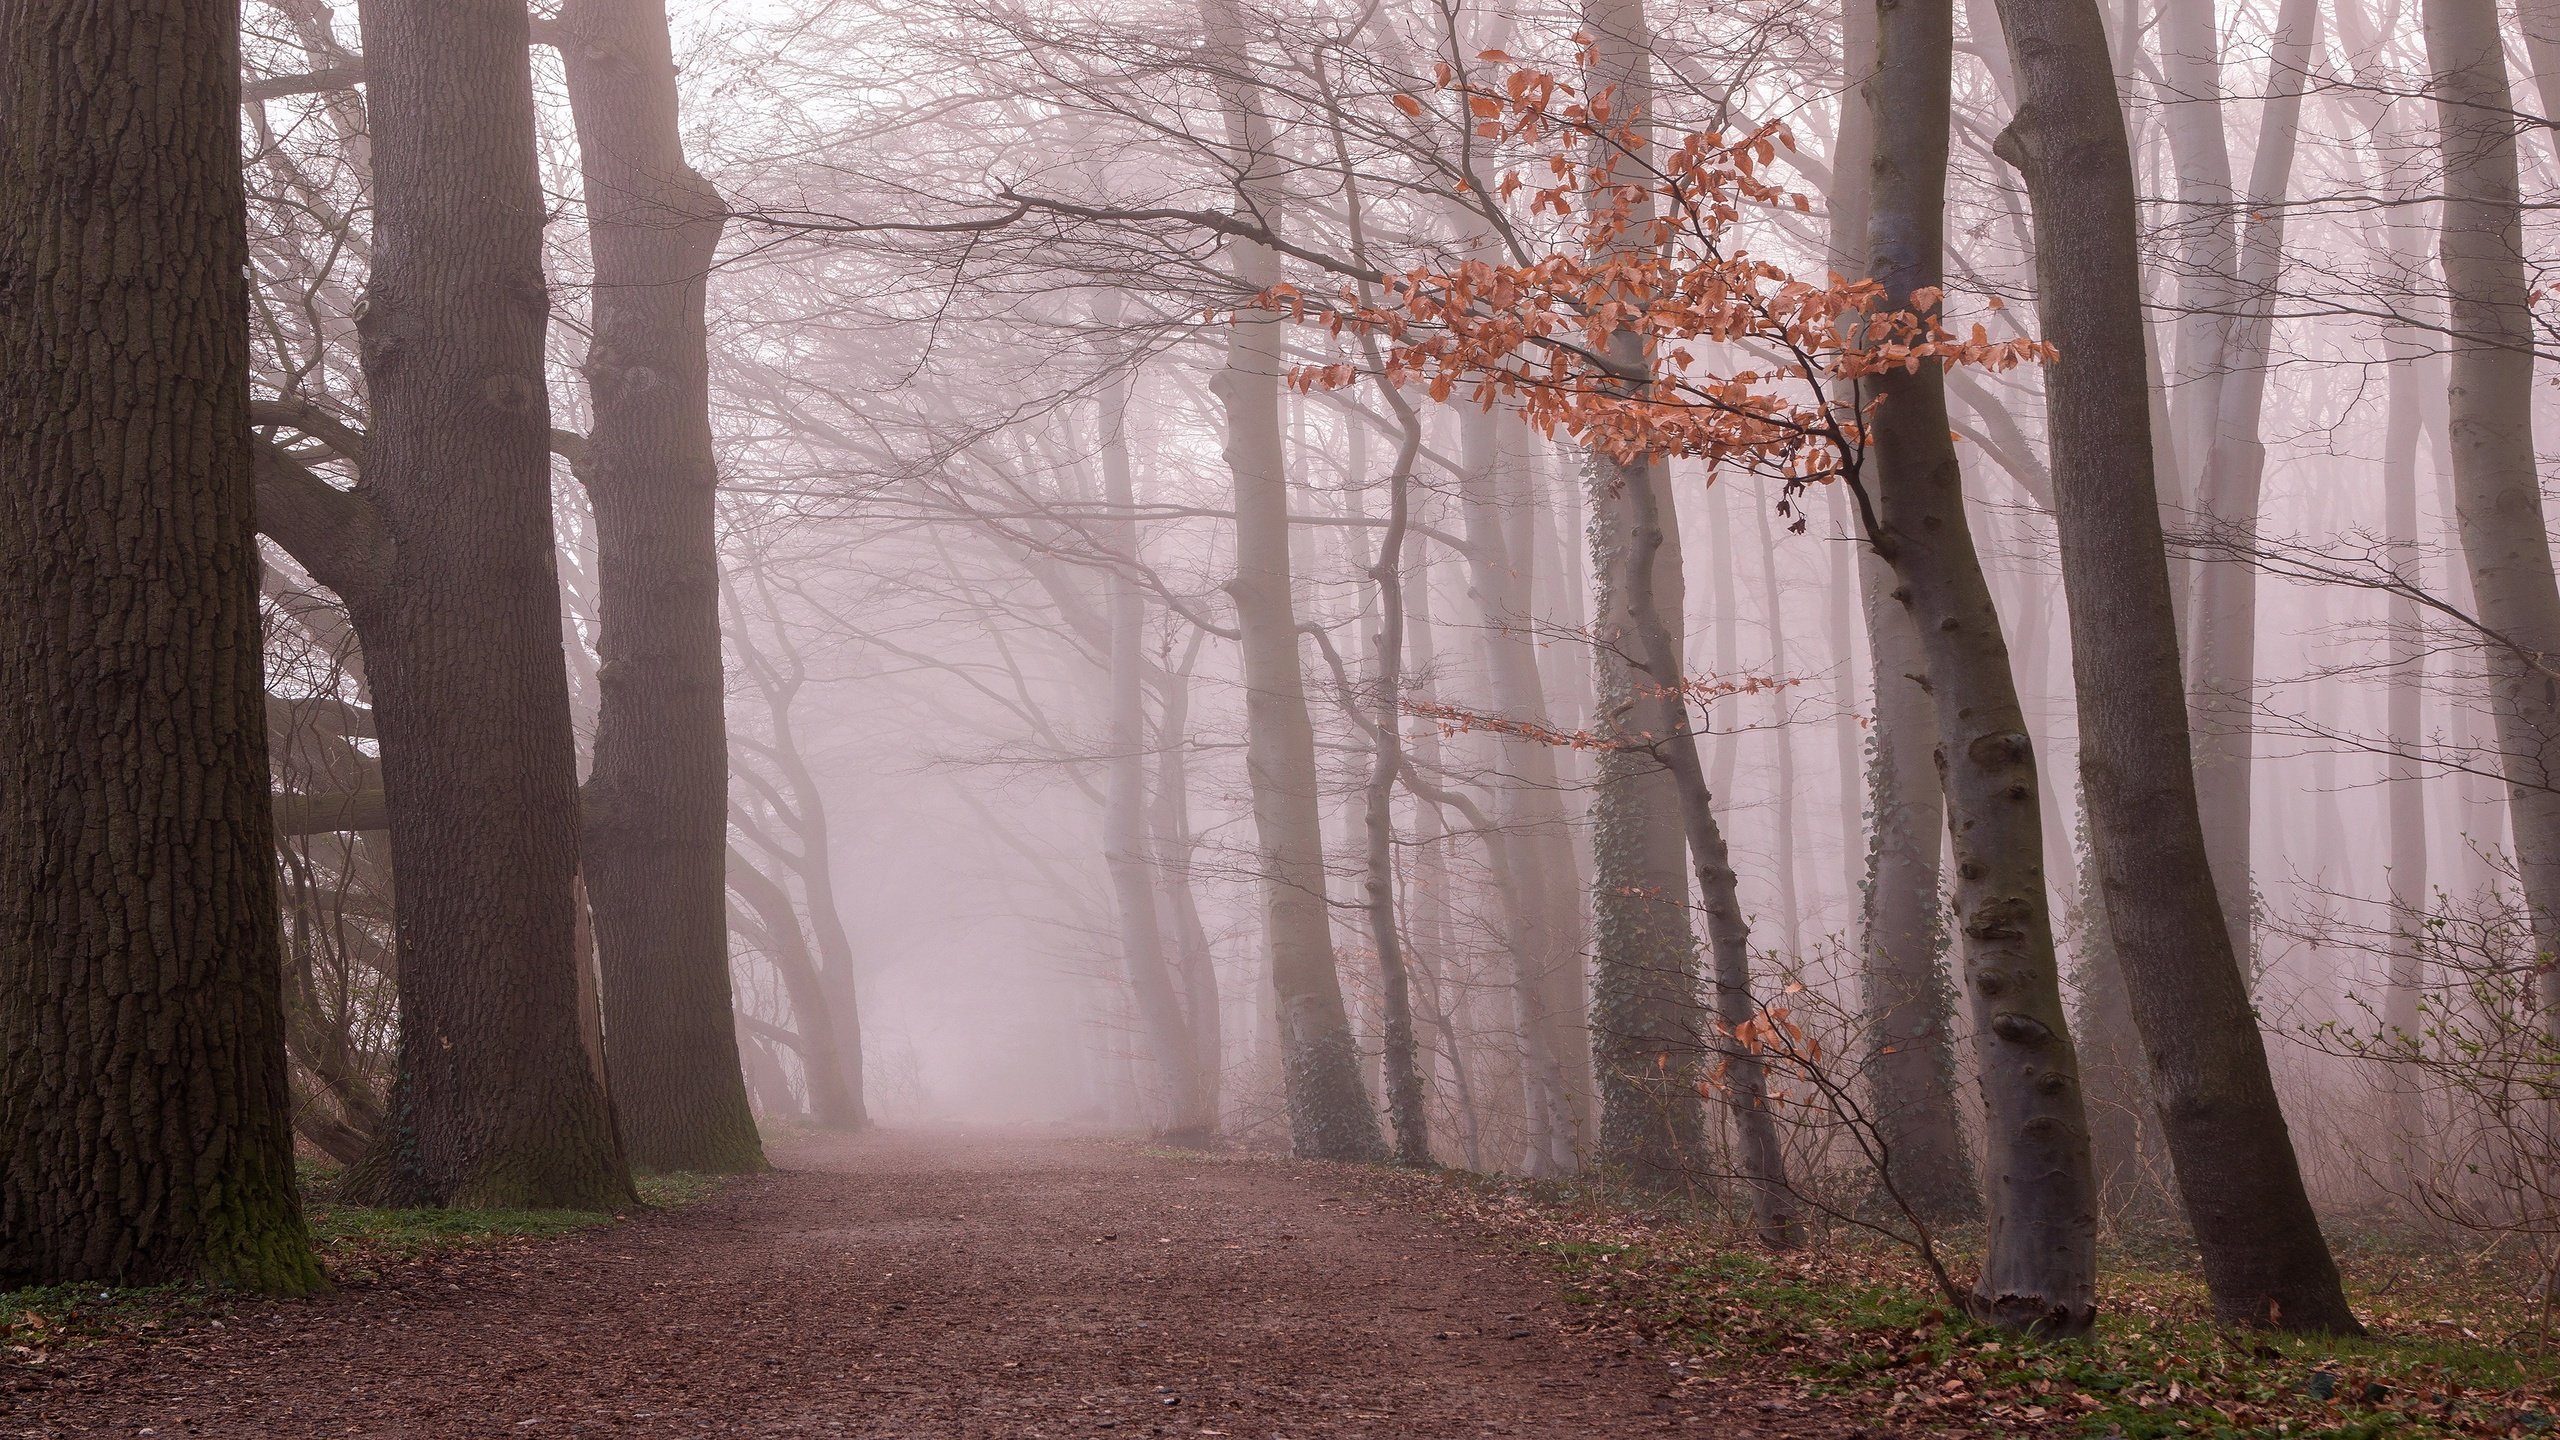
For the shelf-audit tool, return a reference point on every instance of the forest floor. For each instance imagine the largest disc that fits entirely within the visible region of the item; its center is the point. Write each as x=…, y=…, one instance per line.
x=994, y=1286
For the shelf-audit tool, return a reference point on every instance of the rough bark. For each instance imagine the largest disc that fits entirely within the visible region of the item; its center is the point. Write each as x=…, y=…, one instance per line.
x=1329, y=1112
x=145, y=1120
x=2039, y=1269
x=2265, y=1260
x=495, y=1104
x=2505, y=532
x=655, y=804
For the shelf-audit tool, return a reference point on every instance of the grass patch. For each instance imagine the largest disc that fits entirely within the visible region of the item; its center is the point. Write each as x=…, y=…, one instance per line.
x=2456, y=1348
x=356, y=1244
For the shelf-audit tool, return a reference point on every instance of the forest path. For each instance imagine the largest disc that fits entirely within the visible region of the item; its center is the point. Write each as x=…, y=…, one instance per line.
x=957, y=1284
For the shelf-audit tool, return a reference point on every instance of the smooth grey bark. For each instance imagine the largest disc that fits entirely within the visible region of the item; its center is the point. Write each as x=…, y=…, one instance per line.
x=1784, y=866
x=655, y=804
x=496, y=1104
x=2222, y=630
x=2265, y=1260
x=1536, y=867
x=146, y=1130
x=2505, y=531
x=1169, y=824
x=1762, y=1160
x=1127, y=853
x=2039, y=1269
x=1330, y=1116
x=1909, y=1064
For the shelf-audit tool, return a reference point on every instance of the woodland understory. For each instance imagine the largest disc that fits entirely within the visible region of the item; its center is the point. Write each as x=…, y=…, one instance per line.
x=1887, y=675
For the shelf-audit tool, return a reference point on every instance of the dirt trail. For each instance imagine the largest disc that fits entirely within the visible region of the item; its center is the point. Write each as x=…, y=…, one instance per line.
x=958, y=1285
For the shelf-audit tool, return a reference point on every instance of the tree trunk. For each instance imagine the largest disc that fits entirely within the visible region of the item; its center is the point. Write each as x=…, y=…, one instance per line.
x=1645, y=1012
x=1783, y=867
x=1329, y=1112
x=1910, y=1060
x=1529, y=806
x=495, y=1105
x=1170, y=818
x=1126, y=854
x=833, y=1104
x=656, y=799
x=2505, y=535
x=2264, y=1257
x=2222, y=629
x=145, y=1118
x=2039, y=1270
x=1403, y=1072
x=1763, y=1160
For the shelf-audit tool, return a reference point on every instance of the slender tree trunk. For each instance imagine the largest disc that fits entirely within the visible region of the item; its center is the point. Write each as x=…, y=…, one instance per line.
x=1528, y=805
x=1170, y=818
x=1910, y=1059
x=1126, y=854
x=2505, y=535
x=656, y=799
x=2223, y=628
x=2403, y=779
x=145, y=1122
x=2264, y=1257
x=1329, y=1112
x=495, y=1103
x=831, y=1103
x=1403, y=1077
x=1645, y=1013
x=1783, y=866
x=1745, y=1077
x=2039, y=1270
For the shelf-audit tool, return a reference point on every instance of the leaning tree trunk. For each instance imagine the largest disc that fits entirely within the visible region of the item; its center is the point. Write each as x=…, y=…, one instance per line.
x=1763, y=1160
x=2222, y=625
x=495, y=1104
x=1329, y=1112
x=145, y=1123
x=2505, y=534
x=2264, y=1257
x=656, y=800
x=1645, y=1012
x=2039, y=1269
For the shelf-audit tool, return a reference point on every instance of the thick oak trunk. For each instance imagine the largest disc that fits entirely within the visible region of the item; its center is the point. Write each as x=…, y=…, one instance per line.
x=656, y=800
x=495, y=1103
x=145, y=1131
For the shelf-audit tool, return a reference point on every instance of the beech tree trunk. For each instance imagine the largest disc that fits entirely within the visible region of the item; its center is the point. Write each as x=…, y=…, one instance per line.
x=145, y=1120
x=2040, y=1266
x=656, y=800
x=1192, y=1117
x=2505, y=534
x=2265, y=1260
x=2223, y=624
x=495, y=1104
x=1646, y=1017
x=1536, y=867
x=1910, y=1060
x=765, y=912
x=1329, y=1112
